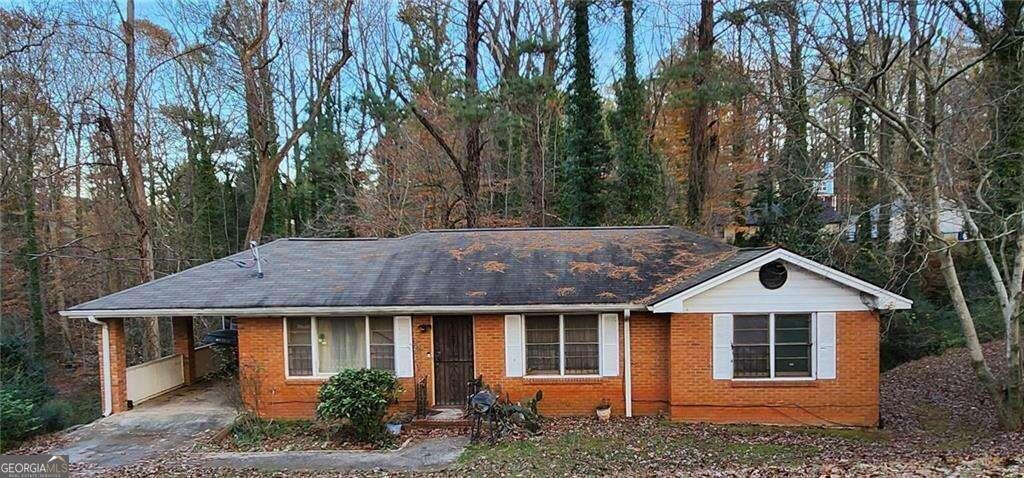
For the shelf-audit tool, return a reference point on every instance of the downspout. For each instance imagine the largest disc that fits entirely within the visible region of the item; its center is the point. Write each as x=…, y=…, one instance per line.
x=107, y=394
x=627, y=371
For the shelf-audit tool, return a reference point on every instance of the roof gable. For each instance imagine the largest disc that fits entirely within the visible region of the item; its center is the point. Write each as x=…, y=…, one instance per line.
x=812, y=286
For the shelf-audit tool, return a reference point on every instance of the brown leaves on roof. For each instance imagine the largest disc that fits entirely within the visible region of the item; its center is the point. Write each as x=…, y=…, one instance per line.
x=607, y=295
x=613, y=271
x=495, y=266
x=473, y=248
x=476, y=293
x=565, y=291
x=622, y=272
x=690, y=264
x=578, y=267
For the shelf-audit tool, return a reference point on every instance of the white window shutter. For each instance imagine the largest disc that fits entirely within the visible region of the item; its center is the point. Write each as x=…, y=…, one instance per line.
x=403, y=346
x=721, y=337
x=609, y=329
x=826, y=342
x=514, y=346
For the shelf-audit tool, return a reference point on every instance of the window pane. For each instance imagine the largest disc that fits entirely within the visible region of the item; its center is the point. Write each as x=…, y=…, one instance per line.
x=542, y=344
x=382, y=343
x=300, y=352
x=750, y=330
x=581, y=359
x=792, y=321
x=792, y=336
x=542, y=359
x=581, y=329
x=751, y=337
x=793, y=345
x=750, y=361
x=542, y=329
x=581, y=345
x=298, y=331
x=341, y=343
x=792, y=367
x=750, y=322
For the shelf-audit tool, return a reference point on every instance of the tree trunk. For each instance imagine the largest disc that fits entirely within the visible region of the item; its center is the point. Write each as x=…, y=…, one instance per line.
x=703, y=138
x=138, y=200
x=471, y=179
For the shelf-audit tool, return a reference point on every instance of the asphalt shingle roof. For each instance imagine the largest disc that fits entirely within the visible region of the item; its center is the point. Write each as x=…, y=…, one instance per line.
x=451, y=267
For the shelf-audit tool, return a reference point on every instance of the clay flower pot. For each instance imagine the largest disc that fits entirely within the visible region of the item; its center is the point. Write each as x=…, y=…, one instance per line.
x=604, y=412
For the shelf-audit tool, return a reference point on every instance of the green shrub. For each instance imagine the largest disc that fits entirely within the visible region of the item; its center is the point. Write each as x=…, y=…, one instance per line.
x=17, y=418
x=362, y=397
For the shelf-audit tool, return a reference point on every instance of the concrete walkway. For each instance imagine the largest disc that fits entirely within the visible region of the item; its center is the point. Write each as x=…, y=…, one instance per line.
x=428, y=455
x=162, y=424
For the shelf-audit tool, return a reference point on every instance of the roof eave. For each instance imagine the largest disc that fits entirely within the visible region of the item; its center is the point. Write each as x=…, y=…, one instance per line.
x=348, y=310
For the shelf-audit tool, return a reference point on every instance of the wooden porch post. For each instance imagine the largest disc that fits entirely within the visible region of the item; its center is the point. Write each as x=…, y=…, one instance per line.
x=184, y=344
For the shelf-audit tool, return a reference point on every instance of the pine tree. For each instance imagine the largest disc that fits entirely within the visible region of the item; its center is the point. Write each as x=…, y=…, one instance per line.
x=639, y=188
x=587, y=158
x=324, y=191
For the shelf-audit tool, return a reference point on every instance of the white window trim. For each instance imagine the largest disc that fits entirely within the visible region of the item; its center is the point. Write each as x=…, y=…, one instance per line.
x=771, y=350
x=561, y=350
x=315, y=345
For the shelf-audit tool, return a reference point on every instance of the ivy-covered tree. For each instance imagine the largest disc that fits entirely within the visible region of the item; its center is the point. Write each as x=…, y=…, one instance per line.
x=587, y=157
x=639, y=188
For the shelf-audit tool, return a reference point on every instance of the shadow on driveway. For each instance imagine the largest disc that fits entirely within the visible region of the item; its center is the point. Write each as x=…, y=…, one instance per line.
x=162, y=424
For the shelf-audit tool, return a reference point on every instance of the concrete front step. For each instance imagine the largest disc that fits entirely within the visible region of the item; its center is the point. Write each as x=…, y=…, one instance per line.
x=442, y=418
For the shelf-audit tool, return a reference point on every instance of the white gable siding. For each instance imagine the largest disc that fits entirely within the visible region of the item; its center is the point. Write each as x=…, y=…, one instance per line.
x=803, y=291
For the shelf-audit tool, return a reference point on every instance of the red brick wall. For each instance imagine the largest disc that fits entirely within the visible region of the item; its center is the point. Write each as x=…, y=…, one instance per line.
x=650, y=363
x=849, y=400
x=671, y=369
x=262, y=378
x=562, y=397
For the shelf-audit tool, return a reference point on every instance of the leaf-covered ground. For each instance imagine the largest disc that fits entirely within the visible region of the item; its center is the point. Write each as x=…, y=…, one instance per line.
x=935, y=423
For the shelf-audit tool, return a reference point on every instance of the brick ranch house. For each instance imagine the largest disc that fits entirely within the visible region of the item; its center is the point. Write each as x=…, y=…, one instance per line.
x=653, y=320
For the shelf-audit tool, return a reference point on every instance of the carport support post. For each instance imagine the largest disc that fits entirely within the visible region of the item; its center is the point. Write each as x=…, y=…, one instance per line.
x=184, y=344
x=112, y=358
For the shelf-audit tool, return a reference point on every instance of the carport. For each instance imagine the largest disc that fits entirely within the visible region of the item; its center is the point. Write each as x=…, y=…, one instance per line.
x=124, y=387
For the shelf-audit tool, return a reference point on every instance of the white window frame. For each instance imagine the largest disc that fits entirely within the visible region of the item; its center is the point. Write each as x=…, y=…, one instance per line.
x=813, y=332
x=561, y=349
x=315, y=345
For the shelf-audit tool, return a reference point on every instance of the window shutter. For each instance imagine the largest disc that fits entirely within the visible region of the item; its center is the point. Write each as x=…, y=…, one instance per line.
x=826, y=338
x=609, y=330
x=403, y=346
x=514, y=347
x=721, y=337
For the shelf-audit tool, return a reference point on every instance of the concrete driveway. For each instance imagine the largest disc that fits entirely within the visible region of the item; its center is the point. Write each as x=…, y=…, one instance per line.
x=159, y=425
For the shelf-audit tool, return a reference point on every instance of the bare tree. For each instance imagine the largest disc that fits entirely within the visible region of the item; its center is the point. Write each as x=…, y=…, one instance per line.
x=249, y=33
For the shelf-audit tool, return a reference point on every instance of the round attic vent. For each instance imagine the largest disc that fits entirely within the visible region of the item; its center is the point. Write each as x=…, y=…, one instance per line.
x=772, y=275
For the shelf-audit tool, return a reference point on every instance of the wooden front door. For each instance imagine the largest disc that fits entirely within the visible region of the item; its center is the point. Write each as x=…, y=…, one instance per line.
x=453, y=359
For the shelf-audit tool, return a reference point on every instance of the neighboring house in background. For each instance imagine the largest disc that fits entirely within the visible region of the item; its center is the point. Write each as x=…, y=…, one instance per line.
x=951, y=223
x=654, y=320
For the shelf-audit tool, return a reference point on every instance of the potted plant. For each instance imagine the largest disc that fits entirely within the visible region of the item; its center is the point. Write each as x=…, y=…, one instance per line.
x=604, y=410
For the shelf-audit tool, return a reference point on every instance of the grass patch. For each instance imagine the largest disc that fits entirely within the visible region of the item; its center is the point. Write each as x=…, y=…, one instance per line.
x=250, y=432
x=601, y=451
x=861, y=435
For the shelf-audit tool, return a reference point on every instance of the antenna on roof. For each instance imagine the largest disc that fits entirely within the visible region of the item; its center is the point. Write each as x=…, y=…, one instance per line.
x=256, y=257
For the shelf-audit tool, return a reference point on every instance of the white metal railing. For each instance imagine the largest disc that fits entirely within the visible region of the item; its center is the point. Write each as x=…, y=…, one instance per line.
x=147, y=380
